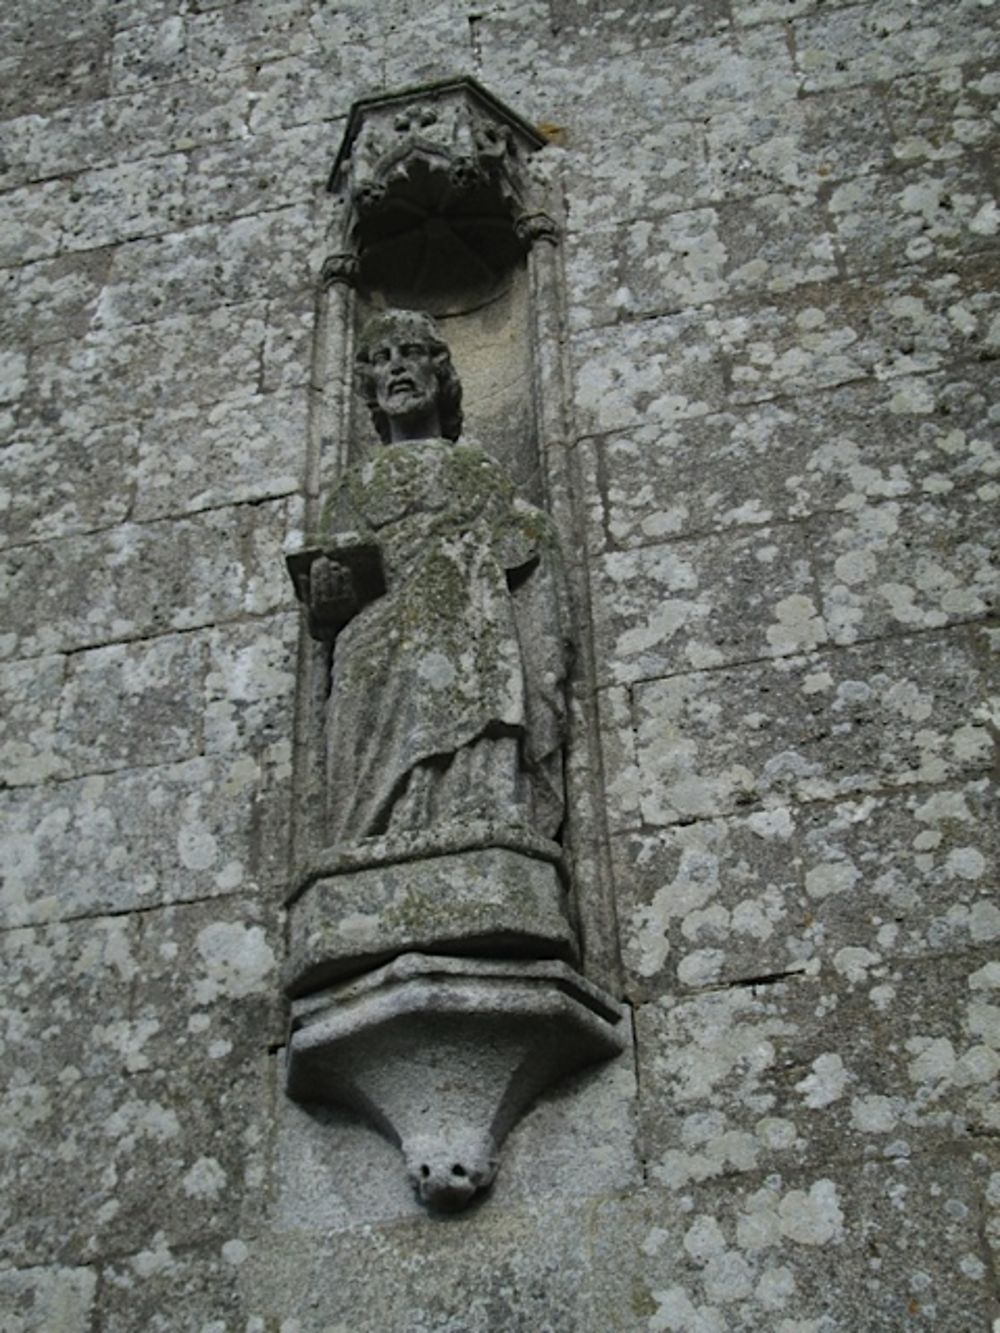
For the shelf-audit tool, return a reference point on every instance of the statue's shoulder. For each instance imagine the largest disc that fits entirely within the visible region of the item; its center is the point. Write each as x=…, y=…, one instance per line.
x=467, y=451
x=537, y=522
x=525, y=535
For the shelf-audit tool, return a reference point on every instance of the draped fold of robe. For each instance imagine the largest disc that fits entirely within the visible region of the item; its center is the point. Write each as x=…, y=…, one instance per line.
x=448, y=691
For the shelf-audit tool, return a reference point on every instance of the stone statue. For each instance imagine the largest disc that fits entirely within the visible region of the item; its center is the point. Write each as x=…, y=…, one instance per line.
x=444, y=595
x=432, y=924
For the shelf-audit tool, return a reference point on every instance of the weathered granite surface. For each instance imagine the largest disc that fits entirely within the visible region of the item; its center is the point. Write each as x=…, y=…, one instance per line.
x=781, y=333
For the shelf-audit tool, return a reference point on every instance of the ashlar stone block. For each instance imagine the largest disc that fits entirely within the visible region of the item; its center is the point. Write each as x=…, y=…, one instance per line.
x=182, y=574
x=152, y=715
x=25, y=24
x=747, y=12
x=216, y=264
x=139, y=1089
x=726, y=470
x=639, y=87
x=861, y=1059
x=246, y=176
x=288, y=344
x=310, y=85
x=829, y=1249
x=722, y=901
x=590, y=29
x=798, y=150
x=250, y=686
x=443, y=48
x=118, y=202
x=806, y=728
x=940, y=115
x=107, y=378
x=212, y=38
x=226, y=691
x=753, y=1253
x=205, y=993
x=207, y=827
x=530, y=1264
x=920, y=865
x=30, y=219
x=933, y=214
x=98, y=207
x=246, y=447
x=671, y=261
x=904, y=565
x=152, y=122
x=770, y=243
x=137, y=1157
x=31, y=748
x=658, y=169
x=67, y=991
x=59, y=484
x=863, y=44
x=52, y=299
x=668, y=607
x=728, y=888
x=47, y=1300
x=55, y=73
x=659, y=165
x=354, y=26
x=824, y=338
x=159, y=1287
x=936, y=433
x=592, y=264
x=658, y=373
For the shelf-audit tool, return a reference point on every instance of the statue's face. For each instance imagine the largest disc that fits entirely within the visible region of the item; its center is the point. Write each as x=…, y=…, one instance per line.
x=406, y=386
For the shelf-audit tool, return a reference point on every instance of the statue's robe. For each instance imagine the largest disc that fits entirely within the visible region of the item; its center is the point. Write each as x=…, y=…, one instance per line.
x=448, y=690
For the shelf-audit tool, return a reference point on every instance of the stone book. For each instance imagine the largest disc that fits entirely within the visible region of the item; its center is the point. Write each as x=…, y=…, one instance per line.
x=365, y=580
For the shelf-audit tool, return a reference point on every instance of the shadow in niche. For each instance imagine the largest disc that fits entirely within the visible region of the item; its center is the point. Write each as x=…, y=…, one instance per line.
x=439, y=262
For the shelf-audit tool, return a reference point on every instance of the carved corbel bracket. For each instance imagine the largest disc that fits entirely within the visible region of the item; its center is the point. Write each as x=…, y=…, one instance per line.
x=444, y=1056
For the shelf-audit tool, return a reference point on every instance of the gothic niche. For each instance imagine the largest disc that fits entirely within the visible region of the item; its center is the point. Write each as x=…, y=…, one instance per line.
x=433, y=947
x=440, y=200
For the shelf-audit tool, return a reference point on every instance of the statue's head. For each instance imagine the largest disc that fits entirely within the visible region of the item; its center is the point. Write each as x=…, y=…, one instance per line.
x=406, y=377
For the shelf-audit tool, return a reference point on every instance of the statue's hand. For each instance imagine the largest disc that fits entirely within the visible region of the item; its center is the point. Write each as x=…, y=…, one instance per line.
x=332, y=598
x=329, y=581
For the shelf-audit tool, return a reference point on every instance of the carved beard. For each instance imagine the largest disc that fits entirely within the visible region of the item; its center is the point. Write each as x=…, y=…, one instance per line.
x=405, y=398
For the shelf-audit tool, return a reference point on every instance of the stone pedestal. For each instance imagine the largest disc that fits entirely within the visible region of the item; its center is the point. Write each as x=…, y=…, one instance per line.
x=359, y=909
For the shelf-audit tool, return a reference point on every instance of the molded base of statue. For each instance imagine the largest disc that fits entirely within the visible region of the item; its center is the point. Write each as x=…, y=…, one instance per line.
x=444, y=1056
x=480, y=891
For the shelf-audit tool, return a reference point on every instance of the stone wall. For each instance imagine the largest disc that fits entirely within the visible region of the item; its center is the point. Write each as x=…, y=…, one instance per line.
x=780, y=242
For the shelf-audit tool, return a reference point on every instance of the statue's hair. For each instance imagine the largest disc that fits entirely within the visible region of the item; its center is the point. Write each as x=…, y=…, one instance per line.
x=416, y=325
